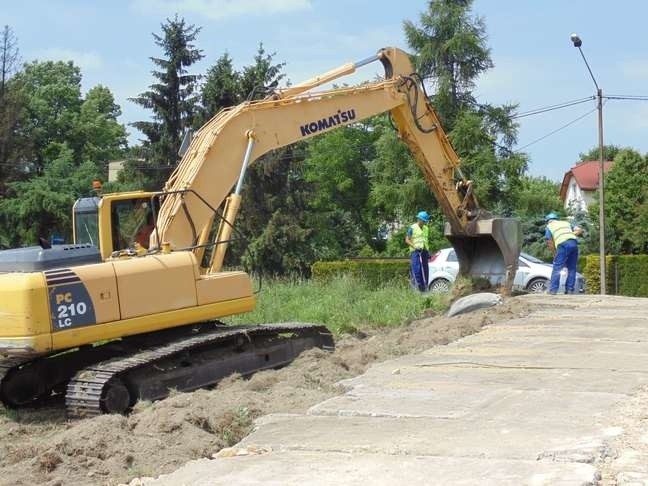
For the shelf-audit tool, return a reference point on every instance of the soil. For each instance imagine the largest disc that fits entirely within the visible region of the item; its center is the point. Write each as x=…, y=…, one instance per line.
x=42, y=447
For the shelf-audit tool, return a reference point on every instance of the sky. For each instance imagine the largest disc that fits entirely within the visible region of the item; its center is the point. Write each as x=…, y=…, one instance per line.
x=536, y=64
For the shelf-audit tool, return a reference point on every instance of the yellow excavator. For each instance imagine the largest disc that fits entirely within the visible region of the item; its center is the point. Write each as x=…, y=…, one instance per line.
x=130, y=309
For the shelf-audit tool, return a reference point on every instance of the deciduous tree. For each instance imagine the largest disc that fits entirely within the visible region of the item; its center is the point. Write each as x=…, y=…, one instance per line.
x=52, y=95
x=626, y=204
x=336, y=166
x=102, y=137
x=9, y=57
x=59, y=145
x=42, y=205
x=609, y=152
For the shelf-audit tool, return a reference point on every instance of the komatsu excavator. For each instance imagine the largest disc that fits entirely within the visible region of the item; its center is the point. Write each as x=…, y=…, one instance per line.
x=130, y=309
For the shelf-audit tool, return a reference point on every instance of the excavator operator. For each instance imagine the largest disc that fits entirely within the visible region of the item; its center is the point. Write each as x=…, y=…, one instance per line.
x=143, y=235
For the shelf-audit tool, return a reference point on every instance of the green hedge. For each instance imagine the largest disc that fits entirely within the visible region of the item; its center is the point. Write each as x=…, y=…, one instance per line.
x=624, y=275
x=375, y=272
x=582, y=261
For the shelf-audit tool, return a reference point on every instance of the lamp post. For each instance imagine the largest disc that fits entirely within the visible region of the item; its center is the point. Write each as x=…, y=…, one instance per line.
x=599, y=99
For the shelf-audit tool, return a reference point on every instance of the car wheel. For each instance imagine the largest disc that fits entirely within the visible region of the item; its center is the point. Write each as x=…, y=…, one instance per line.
x=538, y=285
x=440, y=286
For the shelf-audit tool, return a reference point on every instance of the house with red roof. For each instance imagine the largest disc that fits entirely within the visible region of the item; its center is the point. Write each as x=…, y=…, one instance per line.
x=580, y=183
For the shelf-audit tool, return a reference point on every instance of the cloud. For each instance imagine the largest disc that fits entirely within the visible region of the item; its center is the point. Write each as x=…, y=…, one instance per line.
x=221, y=9
x=87, y=61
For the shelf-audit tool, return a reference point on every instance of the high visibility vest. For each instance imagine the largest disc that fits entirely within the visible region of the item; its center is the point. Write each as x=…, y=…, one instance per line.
x=561, y=231
x=420, y=237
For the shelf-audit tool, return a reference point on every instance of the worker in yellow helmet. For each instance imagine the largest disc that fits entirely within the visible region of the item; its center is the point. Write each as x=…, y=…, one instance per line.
x=418, y=239
x=564, y=244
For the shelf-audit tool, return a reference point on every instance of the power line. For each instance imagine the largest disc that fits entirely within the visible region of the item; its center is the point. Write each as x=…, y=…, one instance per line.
x=519, y=149
x=626, y=97
x=571, y=103
x=558, y=106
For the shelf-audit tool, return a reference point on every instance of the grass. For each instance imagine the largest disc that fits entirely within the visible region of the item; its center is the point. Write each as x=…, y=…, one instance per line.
x=9, y=413
x=235, y=425
x=343, y=304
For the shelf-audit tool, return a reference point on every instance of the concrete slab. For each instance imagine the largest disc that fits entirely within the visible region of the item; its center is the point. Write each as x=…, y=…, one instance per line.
x=313, y=468
x=447, y=401
x=520, y=437
x=401, y=377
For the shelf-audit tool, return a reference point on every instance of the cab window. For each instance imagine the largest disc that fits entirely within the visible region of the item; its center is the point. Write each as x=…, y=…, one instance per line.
x=86, y=228
x=132, y=221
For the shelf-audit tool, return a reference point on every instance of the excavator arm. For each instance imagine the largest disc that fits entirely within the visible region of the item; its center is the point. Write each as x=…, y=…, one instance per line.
x=222, y=150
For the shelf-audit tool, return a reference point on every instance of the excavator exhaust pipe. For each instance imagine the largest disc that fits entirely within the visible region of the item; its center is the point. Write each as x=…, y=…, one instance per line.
x=489, y=249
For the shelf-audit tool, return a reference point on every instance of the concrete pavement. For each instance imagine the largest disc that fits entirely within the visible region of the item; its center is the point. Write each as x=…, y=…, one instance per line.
x=527, y=401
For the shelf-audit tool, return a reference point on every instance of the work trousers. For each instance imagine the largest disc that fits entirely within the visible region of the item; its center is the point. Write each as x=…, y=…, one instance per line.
x=566, y=256
x=420, y=269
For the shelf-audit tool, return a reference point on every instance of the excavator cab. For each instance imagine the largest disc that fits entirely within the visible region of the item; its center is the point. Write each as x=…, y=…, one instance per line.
x=114, y=222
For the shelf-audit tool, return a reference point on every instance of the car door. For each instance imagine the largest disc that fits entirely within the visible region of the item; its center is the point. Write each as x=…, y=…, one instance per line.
x=451, y=264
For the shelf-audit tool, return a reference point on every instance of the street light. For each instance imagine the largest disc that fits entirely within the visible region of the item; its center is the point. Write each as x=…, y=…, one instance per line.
x=599, y=97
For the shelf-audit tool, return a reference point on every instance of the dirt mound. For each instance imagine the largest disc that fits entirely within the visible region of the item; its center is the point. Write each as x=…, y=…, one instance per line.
x=42, y=447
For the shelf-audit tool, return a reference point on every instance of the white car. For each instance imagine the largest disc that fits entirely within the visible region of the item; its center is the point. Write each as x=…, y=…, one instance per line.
x=532, y=275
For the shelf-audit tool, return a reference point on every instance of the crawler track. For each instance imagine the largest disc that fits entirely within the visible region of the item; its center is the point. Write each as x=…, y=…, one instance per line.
x=113, y=386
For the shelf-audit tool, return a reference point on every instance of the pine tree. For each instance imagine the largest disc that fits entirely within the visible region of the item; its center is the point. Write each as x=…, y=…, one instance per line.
x=451, y=51
x=261, y=78
x=222, y=88
x=173, y=98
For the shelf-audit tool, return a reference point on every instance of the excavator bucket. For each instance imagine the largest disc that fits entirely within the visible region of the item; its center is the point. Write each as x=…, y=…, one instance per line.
x=489, y=249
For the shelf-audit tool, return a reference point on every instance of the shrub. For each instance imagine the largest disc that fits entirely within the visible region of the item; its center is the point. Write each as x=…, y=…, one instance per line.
x=625, y=274
x=374, y=272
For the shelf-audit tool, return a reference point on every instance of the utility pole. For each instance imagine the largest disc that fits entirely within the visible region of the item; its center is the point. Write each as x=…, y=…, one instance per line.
x=601, y=192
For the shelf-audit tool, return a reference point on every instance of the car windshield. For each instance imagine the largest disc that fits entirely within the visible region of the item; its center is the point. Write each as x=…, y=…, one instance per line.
x=532, y=259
